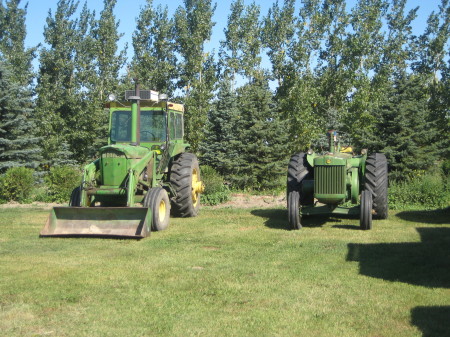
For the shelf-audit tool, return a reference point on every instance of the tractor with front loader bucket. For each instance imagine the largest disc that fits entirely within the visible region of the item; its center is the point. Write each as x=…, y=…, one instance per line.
x=337, y=182
x=145, y=162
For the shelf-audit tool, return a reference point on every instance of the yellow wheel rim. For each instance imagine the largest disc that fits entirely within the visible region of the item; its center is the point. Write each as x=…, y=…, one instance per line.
x=162, y=211
x=197, y=187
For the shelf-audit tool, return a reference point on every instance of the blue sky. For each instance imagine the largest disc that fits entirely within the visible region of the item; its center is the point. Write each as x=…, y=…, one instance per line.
x=127, y=11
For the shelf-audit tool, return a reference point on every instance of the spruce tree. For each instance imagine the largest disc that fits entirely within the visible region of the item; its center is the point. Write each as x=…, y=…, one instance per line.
x=262, y=140
x=405, y=132
x=221, y=135
x=18, y=145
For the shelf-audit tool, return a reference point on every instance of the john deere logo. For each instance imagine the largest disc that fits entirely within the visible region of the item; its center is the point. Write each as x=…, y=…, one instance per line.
x=328, y=161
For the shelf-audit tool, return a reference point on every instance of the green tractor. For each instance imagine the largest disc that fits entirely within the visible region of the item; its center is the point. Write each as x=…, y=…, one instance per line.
x=145, y=162
x=337, y=182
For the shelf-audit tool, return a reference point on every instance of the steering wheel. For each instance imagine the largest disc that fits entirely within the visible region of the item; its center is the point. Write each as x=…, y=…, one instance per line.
x=149, y=133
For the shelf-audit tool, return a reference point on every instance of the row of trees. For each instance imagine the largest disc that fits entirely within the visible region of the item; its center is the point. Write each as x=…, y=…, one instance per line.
x=360, y=70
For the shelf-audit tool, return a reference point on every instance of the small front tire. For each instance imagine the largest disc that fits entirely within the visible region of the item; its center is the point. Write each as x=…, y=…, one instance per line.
x=365, y=217
x=75, y=197
x=294, y=210
x=157, y=200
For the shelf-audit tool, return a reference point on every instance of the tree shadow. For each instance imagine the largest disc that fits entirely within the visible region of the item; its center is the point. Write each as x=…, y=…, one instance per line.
x=425, y=263
x=436, y=217
x=432, y=321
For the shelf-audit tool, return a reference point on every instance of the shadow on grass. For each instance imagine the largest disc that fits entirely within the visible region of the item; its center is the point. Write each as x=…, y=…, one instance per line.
x=426, y=263
x=278, y=219
x=275, y=218
x=432, y=321
x=436, y=217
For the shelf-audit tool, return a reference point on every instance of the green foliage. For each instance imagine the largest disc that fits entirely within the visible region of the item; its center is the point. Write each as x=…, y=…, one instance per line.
x=154, y=61
x=18, y=143
x=61, y=181
x=216, y=192
x=423, y=191
x=16, y=184
x=446, y=167
x=12, y=41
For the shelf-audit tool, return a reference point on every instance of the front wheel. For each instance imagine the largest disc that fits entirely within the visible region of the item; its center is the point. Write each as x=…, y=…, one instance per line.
x=75, y=197
x=157, y=200
x=365, y=217
x=294, y=210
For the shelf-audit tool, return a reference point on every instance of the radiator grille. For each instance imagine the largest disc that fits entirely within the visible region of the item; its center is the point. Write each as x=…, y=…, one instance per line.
x=329, y=179
x=112, y=154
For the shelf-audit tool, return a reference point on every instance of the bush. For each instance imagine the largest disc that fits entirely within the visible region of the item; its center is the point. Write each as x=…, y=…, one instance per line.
x=216, y=191
x=428, y=191
x=60, y=182
x=16, y=184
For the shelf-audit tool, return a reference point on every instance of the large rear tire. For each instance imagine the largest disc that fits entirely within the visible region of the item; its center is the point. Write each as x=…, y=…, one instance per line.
x=157, y=200
x=185, y=179
x=298, y=170
x=376, y=181
x=75, y=197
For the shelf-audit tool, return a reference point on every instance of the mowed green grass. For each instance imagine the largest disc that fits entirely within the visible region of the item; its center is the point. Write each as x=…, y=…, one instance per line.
x=229, y=272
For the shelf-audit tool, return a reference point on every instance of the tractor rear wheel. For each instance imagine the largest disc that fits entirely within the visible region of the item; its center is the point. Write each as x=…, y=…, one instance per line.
x=185, y=179
x=75, y=197
x=376, y=181
x=157, y=200
x=365, y=216
x=298, y=170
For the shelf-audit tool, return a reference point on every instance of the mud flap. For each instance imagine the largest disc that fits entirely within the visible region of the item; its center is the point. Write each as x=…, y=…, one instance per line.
x=130, y=222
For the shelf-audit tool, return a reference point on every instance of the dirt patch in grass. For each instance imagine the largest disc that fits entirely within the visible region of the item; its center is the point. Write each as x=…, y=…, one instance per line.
x=241, y=200
x=238, y=200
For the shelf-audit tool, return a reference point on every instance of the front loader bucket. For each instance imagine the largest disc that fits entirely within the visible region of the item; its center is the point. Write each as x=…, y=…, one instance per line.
x=130, y=222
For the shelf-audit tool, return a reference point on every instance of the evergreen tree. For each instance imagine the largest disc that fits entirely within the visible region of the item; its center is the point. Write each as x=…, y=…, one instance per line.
x=12, y=41
x=405, y=132
x=221, y=135
x=154, y=61
x=18, y=145
x=262, y=141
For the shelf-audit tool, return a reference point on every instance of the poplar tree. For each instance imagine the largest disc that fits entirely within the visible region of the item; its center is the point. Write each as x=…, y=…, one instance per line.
x=362, y=54
x=277, y=33
x=56, y=84
x=193, y=27
x=432, y=50
x=12, y=41
x=154, y=60
x=300, y=95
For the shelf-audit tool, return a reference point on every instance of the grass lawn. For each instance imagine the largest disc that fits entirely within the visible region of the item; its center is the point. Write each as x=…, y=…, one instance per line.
x=230, y=272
